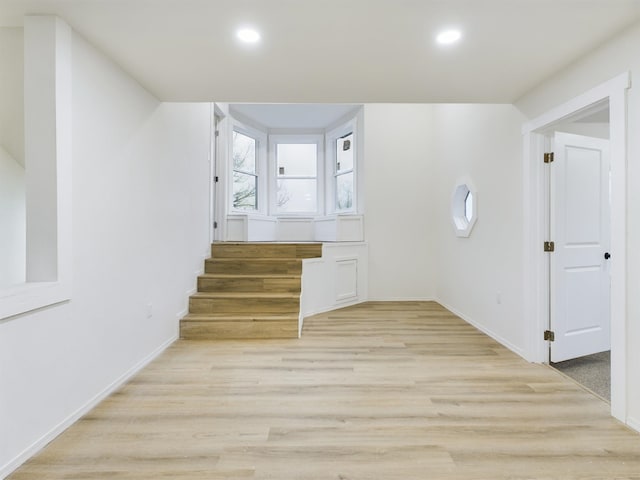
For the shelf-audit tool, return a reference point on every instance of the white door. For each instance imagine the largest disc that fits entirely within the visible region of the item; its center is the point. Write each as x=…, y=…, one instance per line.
x=580, y=211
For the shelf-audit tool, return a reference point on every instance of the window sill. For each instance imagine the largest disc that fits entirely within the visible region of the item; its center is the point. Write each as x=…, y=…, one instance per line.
x=27, y=297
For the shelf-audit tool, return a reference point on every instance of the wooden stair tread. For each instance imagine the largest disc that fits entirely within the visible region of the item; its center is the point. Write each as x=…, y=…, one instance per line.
x=252, y=260
x=213, y=317
x=240, y=295
x=278, y=250
x=248, y=275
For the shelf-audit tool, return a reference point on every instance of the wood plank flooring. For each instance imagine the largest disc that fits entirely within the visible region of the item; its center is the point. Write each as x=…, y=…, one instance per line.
x=375, y=391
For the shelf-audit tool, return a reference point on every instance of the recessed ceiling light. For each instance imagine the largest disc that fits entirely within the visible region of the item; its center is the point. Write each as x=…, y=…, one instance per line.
x=248, y=35
x=447, y=37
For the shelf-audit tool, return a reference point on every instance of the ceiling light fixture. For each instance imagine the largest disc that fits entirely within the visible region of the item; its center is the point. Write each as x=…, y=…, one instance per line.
x=248, y=35
x=448, y=37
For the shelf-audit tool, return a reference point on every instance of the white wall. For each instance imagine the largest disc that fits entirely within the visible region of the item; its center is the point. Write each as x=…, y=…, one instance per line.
x=140, y=216
x=12, y=221
x=613, y=58
x=11, y=92
x=12, y=181
x=480, y=277
x=398, y=217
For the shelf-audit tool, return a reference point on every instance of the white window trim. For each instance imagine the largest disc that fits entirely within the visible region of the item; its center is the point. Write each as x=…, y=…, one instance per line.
x=261, y=167
x=48, y=146
x=317, y=140
x=332, y=137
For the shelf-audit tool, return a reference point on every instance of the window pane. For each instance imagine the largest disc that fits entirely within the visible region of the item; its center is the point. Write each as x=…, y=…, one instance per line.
x=297, y=195
x=244, y=153
x=344, y=153
x=468, y=206
x=344, y=191
x=297, y=159
x=245, y=188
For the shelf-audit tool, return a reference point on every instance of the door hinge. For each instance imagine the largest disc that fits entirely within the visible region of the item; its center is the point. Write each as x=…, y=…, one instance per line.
x=549, y=246
x=215, y=224
x=548, y=157
x=217, y=133
x=215, y=179
x=549, y=335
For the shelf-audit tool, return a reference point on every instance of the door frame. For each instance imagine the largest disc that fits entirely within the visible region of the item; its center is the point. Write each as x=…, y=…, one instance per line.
x=536, y=264
x=218, y=159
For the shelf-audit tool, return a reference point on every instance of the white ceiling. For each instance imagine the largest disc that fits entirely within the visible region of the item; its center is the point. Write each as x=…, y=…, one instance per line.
x=339, y=51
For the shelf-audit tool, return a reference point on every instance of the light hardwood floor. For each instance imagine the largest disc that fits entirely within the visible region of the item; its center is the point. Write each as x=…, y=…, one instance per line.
x=375, y=391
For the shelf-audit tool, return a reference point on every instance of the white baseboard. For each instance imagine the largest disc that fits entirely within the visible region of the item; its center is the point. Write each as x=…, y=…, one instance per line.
x=34, y=448
x=401, y=299
x=634, y=423
x=332, y=308
x=515, y=349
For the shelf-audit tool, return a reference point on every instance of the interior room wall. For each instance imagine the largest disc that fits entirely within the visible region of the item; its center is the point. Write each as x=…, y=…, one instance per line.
x=12, y=182
x=414, y=155
x=140, y=233
x=11, y=92
x=480, y=277
x=12, y=221
x=398, y=180
x=611, y=59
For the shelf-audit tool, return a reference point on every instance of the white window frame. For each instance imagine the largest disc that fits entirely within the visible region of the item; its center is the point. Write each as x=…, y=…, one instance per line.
x=276, y=139
x=261, y=159
x=48, y=148
x=332, y=137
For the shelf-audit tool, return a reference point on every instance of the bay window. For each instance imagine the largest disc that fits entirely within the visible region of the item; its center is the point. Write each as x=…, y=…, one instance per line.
x=289, y=172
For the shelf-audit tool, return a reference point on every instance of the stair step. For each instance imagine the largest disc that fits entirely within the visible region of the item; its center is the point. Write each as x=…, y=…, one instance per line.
x=226, y=317
x=243, y=303
x=247, y=295
x=248, y=283
x=248, y=291
x=206, y=327
x=237, y=266
x=265, y=250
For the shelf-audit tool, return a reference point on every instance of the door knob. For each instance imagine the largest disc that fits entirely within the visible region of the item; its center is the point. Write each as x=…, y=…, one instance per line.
x=607, y=255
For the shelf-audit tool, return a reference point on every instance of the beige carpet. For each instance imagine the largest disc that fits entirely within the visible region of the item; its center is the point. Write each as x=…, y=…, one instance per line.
x=592, y=371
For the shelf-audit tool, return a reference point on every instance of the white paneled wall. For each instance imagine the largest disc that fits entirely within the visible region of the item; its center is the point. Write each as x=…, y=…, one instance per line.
x=336, y=280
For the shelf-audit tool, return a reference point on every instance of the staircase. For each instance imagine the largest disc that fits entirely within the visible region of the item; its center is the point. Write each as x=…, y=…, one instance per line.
x=248, y=291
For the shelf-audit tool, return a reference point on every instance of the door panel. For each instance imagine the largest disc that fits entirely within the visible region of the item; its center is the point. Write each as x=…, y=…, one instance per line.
x=579, y=283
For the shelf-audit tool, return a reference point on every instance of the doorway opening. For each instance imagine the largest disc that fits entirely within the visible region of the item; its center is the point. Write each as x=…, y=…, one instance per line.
x=579, y=225
x=537, y=263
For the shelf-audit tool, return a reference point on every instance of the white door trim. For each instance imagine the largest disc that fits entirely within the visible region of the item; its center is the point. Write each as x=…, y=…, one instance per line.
x=218, y=161
x=536, y=270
